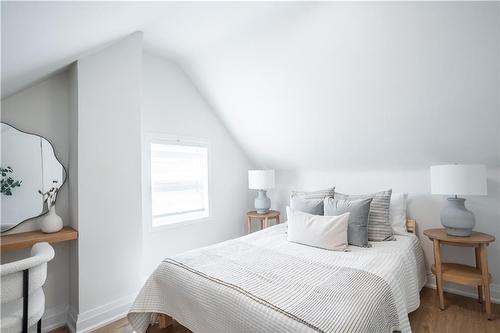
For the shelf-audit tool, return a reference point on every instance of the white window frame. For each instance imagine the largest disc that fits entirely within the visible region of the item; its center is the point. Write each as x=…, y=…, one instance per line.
x=161, y=138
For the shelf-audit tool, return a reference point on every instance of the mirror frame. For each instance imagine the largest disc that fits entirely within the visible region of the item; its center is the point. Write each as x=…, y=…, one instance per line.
x=55, y=156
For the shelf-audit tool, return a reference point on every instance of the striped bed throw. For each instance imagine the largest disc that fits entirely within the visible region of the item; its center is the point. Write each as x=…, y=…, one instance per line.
x=262, y=283
x=326, y=299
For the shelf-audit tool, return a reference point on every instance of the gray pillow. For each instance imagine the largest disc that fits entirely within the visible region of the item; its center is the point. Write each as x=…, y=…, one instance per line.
x=357, y=232
x=379, y=224
x=310, y=202
x=310, y=206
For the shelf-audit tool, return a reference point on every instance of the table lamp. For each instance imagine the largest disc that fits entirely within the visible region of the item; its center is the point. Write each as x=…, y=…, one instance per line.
x=458, y=179
x=261, y=180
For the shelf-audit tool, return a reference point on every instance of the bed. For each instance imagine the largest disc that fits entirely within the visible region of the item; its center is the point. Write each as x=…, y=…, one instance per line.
x=263, y=283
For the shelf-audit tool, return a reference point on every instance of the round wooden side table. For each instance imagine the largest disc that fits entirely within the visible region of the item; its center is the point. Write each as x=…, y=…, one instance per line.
x=462, y=274
x=263, y=218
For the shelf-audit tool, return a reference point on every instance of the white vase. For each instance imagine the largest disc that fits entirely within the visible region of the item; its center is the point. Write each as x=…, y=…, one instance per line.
x=51, y=222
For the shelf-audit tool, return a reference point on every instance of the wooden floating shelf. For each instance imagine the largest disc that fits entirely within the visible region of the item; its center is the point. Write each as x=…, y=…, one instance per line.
x=24, y=240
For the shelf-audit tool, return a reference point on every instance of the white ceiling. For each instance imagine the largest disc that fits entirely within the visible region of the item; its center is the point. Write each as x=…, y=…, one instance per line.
x=39, y=38
x=302, y=85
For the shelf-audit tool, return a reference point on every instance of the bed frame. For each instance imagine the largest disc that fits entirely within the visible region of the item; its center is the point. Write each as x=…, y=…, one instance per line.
x=411, y=226
x=165, y=320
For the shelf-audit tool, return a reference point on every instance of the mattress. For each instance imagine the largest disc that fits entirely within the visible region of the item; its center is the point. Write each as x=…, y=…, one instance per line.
x=263, y=283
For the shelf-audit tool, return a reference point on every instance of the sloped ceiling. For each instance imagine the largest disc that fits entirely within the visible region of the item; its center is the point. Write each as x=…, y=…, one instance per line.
x=302, y=85
x=39, y=38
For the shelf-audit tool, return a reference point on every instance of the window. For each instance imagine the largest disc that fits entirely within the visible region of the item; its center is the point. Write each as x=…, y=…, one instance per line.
x=179, y=181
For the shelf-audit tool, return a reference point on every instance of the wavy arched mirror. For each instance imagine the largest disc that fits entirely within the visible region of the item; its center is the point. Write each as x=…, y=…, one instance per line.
x=28, y=165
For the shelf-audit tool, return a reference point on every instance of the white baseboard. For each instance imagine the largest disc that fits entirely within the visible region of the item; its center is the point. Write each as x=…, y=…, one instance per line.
x=54, y=318
x=71, y=319
x=100, y=316
x=464, y=290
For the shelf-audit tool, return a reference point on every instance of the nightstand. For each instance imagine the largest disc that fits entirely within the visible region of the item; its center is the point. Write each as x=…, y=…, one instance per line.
x=263, y=218
x=462, y=274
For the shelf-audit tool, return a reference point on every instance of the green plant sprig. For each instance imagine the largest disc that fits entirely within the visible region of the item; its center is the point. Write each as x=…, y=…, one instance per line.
x=7, y=183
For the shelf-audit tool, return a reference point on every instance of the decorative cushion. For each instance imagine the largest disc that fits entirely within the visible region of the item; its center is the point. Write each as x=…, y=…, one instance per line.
x=326, y=232
x=357, y=232
x=311, y=206
x=397, y=213
x=379, y=225
x=310, y=202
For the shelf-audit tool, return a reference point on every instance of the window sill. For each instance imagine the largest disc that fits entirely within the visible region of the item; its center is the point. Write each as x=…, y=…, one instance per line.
x=177, y=225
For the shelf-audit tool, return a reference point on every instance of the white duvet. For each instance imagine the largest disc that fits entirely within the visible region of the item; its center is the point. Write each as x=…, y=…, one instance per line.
x=263, y=283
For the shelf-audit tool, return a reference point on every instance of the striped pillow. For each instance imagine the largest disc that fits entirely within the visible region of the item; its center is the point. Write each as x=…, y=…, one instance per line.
x=379, y=224
x=310, y=202
x=320, y=194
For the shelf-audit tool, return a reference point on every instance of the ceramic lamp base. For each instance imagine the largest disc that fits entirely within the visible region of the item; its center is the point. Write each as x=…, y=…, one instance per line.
x=262, y=202
x=457, y=219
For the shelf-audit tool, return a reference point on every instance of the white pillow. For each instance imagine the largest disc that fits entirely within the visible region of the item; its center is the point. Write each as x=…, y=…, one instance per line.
x=326, y=232
x=397, y=213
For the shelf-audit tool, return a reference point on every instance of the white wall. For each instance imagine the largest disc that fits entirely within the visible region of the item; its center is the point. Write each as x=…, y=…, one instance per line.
x=173, y=106
x=43, y=109
x=109, y=180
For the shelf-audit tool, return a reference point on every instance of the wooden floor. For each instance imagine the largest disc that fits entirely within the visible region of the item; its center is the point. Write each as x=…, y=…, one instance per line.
x=462, y=314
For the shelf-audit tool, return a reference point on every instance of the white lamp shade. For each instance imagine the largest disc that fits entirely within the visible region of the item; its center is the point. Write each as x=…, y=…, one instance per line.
x=260, y=179
x=458, y=179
